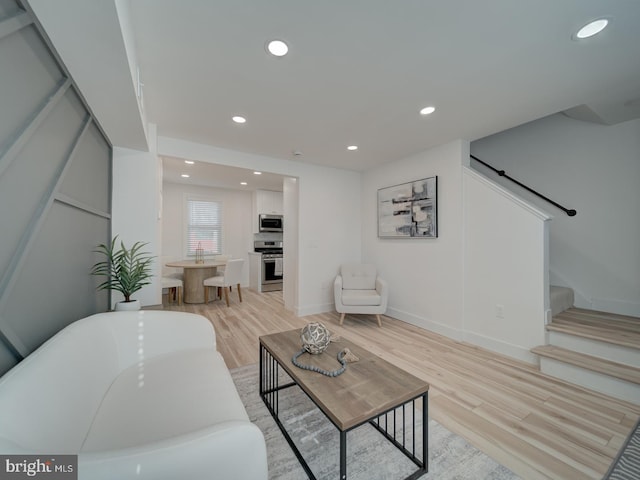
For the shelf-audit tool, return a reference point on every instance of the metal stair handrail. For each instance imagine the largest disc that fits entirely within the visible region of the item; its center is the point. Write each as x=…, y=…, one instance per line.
x=569, y=211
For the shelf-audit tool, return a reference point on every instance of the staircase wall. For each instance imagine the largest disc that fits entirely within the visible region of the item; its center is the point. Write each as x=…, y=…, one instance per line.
x=506, y=290
x=55, y=205
x=594, y=169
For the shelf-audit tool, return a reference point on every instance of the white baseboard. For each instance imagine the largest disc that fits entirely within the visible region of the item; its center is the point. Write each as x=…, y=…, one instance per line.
x=427, y=324
x=314, y=309
x=514, y=351
x=503, y=348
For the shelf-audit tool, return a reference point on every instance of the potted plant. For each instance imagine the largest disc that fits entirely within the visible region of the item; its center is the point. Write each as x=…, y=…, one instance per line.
x=127, y=270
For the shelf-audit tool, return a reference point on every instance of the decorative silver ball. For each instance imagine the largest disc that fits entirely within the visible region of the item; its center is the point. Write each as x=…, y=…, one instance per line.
x=315, y=338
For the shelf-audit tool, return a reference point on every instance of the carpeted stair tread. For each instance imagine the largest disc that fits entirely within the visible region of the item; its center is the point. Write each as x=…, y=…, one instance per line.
x=600, y=365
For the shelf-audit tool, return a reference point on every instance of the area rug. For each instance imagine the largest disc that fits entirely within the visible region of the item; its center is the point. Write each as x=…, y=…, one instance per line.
x=369, y=455
x=626, y=466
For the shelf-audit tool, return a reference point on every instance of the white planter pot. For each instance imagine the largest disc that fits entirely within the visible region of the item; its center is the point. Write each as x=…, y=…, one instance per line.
x=133, y=305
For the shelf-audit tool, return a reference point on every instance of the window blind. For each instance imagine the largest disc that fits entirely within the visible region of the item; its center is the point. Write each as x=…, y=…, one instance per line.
x=204, y=226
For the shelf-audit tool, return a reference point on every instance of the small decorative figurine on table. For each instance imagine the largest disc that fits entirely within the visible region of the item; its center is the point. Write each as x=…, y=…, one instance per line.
x=315, y=340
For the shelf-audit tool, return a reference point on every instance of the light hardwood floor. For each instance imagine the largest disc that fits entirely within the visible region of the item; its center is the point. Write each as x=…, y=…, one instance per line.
x=539, y=427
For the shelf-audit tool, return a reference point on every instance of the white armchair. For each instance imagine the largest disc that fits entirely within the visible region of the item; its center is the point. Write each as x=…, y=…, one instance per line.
x=358, y=289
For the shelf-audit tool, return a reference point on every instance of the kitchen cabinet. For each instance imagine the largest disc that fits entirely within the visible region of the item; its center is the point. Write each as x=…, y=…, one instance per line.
x=266, y=201
x=269, y=202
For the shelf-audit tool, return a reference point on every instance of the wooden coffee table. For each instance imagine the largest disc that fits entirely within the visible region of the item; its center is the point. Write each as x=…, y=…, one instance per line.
x=371, y=390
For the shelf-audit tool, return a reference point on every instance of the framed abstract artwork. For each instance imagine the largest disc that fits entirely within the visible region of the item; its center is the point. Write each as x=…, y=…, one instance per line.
x=409, y=210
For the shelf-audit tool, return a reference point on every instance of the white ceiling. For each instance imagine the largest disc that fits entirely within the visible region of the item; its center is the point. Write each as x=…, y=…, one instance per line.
x=357, y=71
x=211, y=175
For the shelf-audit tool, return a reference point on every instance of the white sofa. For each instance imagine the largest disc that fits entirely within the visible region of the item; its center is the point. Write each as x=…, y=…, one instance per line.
x=137, y=395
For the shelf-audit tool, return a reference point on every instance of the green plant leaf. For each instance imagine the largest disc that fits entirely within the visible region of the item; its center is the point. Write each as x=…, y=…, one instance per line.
x=127, y=270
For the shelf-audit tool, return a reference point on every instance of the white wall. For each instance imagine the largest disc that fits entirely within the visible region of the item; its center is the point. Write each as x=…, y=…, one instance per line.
x=330, y=233
x=135, y=211
x=596, y=170
x=329, y=216
x=491, y=249
x=107, y=27
x=237, y=234
x=505, y=269
x=425, y=276
x=446, y=284
x=290, y=195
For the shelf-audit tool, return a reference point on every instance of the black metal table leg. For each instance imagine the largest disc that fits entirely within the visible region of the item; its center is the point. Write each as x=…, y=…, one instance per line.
x=425, y=433
x=343, y=455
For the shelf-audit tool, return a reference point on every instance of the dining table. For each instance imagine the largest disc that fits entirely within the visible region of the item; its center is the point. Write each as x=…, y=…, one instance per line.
x=194, y=275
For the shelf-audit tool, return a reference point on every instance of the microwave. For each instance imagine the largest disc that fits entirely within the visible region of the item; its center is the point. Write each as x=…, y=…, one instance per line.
x=269, y=223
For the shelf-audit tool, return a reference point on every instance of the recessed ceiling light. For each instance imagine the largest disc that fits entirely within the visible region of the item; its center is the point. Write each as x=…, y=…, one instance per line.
x=189, y=162
x=352, y=147
x=257, y=173
x=592, y=28
x=427, y=110
x=184, y=175
x=277, y=48
x=243, y=183
x=239, y=119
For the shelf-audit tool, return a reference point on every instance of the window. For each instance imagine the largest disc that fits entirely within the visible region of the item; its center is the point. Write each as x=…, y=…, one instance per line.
x=204, y=226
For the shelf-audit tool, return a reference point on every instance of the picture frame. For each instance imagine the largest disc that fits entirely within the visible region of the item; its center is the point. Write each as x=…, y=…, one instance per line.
x=409, y=210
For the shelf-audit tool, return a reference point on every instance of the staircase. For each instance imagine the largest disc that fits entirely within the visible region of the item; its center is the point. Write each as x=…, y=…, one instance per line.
x=597, y=350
